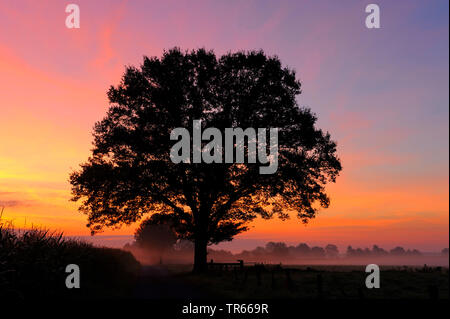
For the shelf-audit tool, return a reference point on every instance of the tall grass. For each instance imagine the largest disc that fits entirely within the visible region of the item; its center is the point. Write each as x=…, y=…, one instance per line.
x=33, y=263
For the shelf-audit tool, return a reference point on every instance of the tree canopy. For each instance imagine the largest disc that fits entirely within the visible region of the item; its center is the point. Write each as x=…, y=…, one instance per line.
x=155, y=234
x=130, y=173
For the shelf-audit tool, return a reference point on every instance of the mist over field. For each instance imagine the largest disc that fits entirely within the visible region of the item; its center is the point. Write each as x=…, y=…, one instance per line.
x=429, y=259
x=274, y=253
x=301, y=254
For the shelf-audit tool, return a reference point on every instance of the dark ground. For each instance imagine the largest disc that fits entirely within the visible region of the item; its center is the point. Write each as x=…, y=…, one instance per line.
x=293, y=282
x=157, y=282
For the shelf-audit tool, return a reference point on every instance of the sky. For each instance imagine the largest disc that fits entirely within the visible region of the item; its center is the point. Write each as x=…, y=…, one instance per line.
x=381, y=93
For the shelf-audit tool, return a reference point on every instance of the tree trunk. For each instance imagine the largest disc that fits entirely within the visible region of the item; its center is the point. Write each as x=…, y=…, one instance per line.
x=200, y=251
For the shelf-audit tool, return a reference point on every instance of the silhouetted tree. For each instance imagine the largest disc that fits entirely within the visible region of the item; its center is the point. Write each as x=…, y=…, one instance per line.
x=279, y=249
x=378, y=251
x=156, y=234
x=259, y=252
x=130, y=173
x=350, y=251
x=397, y=251
x=303, y=249
x=413, y=252
x=317, y=252
x=331, y=250
x=358, y=252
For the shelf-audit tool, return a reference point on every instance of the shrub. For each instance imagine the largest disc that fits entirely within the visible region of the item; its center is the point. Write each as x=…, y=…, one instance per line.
x=33, y=263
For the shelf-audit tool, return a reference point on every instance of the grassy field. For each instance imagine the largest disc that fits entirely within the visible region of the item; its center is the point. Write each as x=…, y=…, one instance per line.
x=327, y=282
x=33, y=262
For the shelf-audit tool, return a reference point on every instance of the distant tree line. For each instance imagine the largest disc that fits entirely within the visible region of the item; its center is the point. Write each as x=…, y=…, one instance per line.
x=280, y=250
x=156, y=241
x=377, y=251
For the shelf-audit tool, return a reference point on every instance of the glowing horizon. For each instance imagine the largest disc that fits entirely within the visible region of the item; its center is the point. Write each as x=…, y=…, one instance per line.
x=382, y=95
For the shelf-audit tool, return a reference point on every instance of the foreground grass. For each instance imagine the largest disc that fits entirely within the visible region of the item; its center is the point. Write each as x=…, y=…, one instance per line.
x=327, y=282
x=33, y=263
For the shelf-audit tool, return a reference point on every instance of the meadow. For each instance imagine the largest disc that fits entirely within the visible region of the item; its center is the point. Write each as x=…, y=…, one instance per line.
x=33, y=262
x=319, y=282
